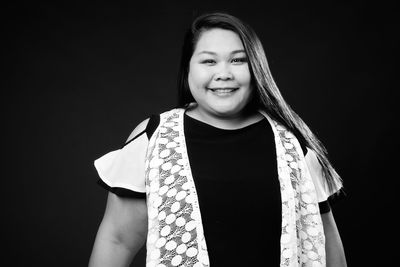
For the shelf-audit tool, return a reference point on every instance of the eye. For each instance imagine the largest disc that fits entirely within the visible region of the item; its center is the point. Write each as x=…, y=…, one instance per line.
x=239, y=60
x=208, y=61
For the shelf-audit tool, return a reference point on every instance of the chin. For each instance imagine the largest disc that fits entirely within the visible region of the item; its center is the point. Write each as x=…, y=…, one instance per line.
x=226, y=109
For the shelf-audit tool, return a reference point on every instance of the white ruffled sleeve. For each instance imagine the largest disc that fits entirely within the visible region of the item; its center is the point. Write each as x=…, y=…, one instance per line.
x=316, y=172
x=125, y=168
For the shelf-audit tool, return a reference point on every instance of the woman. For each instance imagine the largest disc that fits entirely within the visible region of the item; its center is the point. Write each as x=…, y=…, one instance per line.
x=231, y=177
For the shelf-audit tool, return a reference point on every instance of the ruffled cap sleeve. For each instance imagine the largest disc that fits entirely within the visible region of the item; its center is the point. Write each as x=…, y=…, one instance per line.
x=125, y=168
x=316, y=172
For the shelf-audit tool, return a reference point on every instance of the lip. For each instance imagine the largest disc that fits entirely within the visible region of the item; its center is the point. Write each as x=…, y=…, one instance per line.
x=223, y=88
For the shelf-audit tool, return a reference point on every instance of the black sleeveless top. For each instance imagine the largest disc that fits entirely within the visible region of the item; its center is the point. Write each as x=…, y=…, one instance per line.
x=235, y=174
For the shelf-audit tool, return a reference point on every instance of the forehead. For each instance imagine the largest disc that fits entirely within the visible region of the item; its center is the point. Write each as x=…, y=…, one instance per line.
x=218, y=40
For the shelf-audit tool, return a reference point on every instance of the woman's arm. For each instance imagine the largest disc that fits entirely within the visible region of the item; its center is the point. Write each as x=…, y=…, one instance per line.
x=335, y=256
x=122, y=232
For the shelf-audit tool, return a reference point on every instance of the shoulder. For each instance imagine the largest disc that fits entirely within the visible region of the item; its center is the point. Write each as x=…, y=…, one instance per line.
x=138, y=130
x=312, y=160
x=147, y=126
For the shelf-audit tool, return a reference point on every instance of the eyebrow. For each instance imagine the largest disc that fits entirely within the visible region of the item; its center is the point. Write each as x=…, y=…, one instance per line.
x=213, y=53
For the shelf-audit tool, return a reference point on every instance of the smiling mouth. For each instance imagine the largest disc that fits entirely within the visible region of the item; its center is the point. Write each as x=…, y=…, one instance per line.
x=224, y=89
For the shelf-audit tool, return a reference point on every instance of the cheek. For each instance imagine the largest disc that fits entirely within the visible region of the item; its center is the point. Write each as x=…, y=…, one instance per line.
x=242, y=75
x=199, y=76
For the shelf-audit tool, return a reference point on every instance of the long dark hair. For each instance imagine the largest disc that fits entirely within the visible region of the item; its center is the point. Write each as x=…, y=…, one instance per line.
x=266, y=96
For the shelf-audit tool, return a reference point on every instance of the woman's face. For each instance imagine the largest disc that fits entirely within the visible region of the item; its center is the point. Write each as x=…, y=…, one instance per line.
x=219, y=76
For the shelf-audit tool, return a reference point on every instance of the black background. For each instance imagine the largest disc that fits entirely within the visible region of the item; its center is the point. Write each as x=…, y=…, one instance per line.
x=79, y=76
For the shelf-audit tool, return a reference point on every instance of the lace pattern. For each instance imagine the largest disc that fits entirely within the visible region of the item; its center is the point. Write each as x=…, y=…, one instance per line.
x=175, y=232
x=302, y=236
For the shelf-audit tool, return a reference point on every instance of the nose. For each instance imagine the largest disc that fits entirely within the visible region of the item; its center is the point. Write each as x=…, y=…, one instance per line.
x=223, y=73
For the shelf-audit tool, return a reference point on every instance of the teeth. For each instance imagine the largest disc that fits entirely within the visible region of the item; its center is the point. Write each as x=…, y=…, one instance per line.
x=223, y=90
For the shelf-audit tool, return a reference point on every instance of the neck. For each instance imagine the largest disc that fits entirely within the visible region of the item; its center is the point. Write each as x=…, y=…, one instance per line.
x=246, y=117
